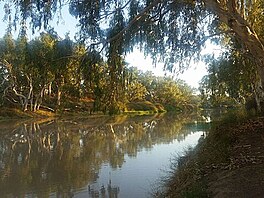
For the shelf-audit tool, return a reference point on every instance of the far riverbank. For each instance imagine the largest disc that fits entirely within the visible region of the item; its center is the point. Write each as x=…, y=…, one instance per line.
x=84, y=109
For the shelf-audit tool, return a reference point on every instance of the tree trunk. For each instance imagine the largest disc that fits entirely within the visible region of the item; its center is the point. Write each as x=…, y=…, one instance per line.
x=40, y=97
x=22, y=99
x=60, y=83
x=50, y=89
x=242, y=30
x=259, y=91
x=59, y=97
x=32, y=102
x=36, y=103
x=30, y=93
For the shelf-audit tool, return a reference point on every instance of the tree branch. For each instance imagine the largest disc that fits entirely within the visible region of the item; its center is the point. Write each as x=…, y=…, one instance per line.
x=218, y=34
x=130, y=24
x=114, y=11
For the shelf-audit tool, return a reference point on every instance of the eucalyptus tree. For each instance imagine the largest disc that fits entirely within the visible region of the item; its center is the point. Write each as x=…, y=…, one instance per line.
x=95, y=78
x=170, y=31
x=28, y=67
x=149, y=81
x=8, y=70
x=135, y=90
x=189, y=99
x=16, y=84
x=173, y=94
x=231, y=79
x=40, y=59
x=63, y=55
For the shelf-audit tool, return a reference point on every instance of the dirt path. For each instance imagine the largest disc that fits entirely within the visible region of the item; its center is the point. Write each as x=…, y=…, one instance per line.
x=244, y=175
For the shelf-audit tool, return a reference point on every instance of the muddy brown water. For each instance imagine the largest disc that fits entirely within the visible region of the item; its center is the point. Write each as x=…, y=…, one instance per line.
x=91, y=157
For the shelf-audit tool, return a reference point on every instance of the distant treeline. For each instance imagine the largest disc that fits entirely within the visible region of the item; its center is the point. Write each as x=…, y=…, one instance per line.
x=62, y=74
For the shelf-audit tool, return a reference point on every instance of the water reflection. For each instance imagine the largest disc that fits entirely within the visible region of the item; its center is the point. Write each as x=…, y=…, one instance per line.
x=59, y=158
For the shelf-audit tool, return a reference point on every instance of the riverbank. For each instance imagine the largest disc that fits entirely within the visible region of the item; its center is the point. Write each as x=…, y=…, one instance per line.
x=229, y=162
x=14, y=113
x=82, y=109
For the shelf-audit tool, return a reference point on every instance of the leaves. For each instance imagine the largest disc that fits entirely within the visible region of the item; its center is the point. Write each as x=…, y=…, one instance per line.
x=231, y=80
x=56, y=71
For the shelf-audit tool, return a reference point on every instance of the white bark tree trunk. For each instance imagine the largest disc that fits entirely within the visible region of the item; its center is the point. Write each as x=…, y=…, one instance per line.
x=242, y=30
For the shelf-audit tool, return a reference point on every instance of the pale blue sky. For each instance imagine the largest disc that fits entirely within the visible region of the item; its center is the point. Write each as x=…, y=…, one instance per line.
x=192, y=76
x=68, y=24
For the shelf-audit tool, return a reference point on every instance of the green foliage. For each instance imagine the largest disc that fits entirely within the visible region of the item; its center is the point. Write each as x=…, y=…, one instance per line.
x=170, y=31
x=136, y=91
x=144, y=106
x=59, y=72
x=230, y=81
x=119, y=25
x=173, y=32
x=172, y=94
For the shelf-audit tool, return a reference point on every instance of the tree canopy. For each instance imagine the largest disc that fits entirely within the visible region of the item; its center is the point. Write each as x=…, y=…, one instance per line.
x=230, y=81
x=54, y=72
x=170, y=31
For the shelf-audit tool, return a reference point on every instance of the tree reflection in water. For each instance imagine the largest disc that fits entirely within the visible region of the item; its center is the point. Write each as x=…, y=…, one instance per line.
x=59, y=157
x=109, y=191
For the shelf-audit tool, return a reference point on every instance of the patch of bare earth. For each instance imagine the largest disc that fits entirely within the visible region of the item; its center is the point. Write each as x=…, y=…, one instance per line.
x=243, y=176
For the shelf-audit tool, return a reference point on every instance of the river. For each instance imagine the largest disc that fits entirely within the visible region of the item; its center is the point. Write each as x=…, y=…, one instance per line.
x=92, y=157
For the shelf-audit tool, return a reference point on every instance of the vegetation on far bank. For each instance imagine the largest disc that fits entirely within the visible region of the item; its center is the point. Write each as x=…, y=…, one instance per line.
x=89, y=75
x=218, y=166
x=135, y=108
x=59, y=75
x=65, y=75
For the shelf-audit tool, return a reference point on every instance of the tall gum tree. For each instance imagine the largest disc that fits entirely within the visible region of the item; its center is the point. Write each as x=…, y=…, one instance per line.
x=172, y=31
x=236, y=15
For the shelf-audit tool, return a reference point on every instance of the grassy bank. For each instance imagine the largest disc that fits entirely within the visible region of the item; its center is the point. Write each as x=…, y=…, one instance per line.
x=81, y=109
x=232, y=151
x=14, y=113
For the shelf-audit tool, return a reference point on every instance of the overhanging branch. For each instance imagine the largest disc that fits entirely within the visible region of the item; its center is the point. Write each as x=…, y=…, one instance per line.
x=213, y=35
x=130, y=24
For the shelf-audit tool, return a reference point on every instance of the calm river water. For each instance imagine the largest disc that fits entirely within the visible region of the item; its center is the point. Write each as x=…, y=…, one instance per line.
x=92, y=157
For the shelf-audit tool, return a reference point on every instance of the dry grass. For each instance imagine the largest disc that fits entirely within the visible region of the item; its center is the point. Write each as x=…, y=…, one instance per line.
x=213, y=154
x=11, y=113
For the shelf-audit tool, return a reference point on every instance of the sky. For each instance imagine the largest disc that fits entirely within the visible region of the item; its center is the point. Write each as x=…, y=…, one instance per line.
x=192, y=76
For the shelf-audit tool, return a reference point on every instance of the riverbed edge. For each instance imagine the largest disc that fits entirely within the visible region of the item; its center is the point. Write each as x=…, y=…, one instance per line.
x=198, y=175
x=14, y=113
